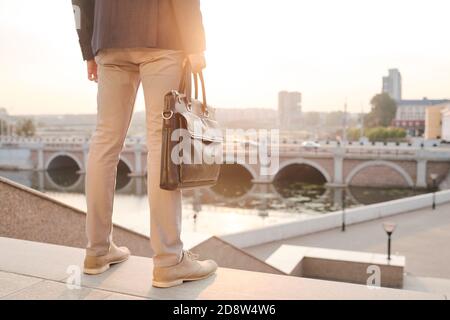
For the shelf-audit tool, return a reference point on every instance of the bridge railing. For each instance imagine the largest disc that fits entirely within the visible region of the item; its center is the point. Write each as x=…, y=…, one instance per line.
x=326, y=150
x=381, y=151
x=43, y=140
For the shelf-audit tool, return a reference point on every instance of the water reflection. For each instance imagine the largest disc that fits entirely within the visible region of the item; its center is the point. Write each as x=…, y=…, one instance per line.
x=308, y=196
x=235, y=203
x=234, y=181
x=287, y=195
x=63, y=179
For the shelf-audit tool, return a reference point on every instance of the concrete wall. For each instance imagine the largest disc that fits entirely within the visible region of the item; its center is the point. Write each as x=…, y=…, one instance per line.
x=27, y=214
x=442, y=169
x=16, y=159
x=339, y=265
x=349, y=271
x=229, y=256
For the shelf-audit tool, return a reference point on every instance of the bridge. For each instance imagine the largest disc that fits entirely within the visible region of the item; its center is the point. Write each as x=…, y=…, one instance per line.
x=365, y=165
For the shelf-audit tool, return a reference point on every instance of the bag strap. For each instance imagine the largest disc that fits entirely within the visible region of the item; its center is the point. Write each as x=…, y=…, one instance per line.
x=185, y=80
x=202, y=82
x=185, y=86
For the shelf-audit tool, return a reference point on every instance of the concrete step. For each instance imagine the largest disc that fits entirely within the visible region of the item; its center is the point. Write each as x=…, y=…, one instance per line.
x=19, y=287
x=51, y=263
x=428, y=284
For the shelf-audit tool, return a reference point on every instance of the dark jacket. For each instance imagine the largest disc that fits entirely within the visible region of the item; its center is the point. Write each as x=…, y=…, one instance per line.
x=164, y=24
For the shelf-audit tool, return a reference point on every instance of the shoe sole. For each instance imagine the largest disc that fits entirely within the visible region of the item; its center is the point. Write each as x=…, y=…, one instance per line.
x=96, y=271
x=159, y=284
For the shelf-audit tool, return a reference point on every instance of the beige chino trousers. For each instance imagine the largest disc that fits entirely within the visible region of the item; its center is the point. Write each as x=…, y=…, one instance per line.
x=120, y=72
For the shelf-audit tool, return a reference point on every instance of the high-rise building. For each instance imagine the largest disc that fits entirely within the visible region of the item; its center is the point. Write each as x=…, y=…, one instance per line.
x=289, y=109
x=392, y=84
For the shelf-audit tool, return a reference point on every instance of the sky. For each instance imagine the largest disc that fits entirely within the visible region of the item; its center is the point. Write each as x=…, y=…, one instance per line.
x=331, y=51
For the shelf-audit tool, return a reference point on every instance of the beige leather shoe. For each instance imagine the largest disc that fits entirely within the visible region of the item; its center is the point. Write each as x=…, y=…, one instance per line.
x=97, y=265
x=188, y=269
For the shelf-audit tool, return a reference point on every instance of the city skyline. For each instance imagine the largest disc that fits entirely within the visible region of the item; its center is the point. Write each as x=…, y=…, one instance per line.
x=292, y=47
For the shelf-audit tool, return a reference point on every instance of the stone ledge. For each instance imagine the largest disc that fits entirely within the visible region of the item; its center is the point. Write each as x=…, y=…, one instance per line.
x=332, y=220
x=35, y=216
x=133, y=278
x=337, y=265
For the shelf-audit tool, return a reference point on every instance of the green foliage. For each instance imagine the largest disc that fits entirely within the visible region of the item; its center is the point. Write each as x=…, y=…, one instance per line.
x=378, y=134
x=26, y=128
x=3, y=127
x=353, y=134
x=383, y=111
x=385, y=134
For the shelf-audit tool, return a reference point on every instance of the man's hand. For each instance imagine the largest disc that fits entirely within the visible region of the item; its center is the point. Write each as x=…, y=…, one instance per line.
x=92, y=70
x=197, y=61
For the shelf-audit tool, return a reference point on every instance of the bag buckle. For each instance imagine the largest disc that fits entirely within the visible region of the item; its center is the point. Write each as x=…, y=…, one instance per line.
x=167, y=115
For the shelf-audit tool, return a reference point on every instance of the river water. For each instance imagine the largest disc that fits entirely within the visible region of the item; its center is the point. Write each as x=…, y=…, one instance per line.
x=231, y=206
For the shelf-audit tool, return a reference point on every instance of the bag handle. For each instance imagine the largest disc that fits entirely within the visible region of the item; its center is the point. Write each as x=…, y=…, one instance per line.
x=202, y=82
x=186, y=89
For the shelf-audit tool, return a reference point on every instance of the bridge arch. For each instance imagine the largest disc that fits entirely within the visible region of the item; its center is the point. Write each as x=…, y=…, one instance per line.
x=310, y=163
x=64, y=154
x=235, y=180
x=127, y=163
x=389, y=164
x=246, y=166
x=73, y=187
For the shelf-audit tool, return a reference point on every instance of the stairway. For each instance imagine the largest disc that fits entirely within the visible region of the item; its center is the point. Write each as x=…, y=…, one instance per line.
x=32, y=270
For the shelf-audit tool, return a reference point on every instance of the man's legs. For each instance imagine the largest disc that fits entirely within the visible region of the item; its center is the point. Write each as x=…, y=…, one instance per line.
x=118, y=82
x=172, y=265
x=160, y=72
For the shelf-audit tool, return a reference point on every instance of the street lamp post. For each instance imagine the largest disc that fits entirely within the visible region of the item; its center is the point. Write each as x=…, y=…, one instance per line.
x=343, y=211
x=434, y=177
x=389, y=227
x=344, y=125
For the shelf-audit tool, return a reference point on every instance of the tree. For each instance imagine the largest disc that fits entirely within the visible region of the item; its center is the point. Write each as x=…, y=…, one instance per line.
x=383, y=111
x=353, y=134
x=3, y=127
x=383, y=134
x=26, y=128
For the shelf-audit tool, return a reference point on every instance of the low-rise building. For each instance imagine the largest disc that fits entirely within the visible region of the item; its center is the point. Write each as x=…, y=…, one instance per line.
x=433, y=122
x=411, y=115
x=445, y=115
x=246, y=118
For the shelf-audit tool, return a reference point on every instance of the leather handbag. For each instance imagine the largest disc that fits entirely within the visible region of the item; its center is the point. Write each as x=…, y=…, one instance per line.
x=191, y=138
